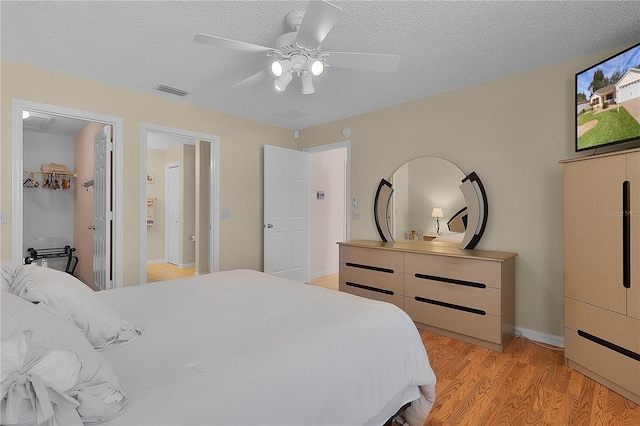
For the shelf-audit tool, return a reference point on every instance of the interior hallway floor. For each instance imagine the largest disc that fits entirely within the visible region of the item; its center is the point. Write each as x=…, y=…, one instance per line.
x=167, y=271
x=328, y=281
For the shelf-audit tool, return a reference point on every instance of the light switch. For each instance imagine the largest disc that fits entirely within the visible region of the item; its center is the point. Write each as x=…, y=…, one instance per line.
x=3, y=217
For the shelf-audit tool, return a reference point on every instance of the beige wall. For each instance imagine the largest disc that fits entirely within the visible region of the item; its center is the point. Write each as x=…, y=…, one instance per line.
x=241, y=153
x=513, y=138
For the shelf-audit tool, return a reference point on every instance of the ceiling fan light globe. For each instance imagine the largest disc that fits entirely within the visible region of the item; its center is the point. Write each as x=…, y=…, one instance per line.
x=314, y=66
x=281, y=66
x=317, y=68
x=307, y=84
x=283, y=81
x=276, y=68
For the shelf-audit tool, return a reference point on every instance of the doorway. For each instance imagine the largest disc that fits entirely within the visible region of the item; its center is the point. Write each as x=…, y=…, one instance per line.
x=25, y=139
x=178, y=238
x=329, y=197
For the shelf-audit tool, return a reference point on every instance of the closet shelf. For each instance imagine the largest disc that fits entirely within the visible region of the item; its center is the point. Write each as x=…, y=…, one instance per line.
x=40, y=172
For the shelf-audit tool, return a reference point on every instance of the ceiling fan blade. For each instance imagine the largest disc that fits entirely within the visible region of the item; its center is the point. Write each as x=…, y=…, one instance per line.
x=230, y=44
x=363, y=61
x=318, y=20
x=256, y=78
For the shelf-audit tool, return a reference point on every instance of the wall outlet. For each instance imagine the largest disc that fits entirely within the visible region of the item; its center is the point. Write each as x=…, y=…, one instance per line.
x=356, y=214
x=225, y=214
x=3, y=217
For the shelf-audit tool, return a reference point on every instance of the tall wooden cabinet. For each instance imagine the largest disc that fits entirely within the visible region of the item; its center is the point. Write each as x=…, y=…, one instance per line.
x=602, y=269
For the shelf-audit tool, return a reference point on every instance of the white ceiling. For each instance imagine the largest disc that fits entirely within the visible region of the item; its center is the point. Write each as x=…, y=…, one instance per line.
x=444, y=46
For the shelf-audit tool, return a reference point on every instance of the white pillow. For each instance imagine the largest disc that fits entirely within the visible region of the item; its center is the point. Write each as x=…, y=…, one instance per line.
x=50, y=373
x=7, y=270
x=69, y=298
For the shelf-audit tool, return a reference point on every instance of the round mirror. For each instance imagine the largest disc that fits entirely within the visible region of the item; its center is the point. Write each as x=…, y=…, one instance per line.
x=420, y=186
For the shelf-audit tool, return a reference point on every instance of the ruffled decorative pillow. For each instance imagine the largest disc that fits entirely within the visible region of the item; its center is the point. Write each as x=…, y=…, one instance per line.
x=50, y=373
x=67, y=297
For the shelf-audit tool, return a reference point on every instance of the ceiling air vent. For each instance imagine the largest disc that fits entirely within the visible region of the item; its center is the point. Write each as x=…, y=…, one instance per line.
x=172, y=90
x=292, y=113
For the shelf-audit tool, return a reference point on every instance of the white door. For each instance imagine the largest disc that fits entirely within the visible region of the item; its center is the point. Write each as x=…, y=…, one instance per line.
x=286, y=213
x=102, y=211
x=173, y=215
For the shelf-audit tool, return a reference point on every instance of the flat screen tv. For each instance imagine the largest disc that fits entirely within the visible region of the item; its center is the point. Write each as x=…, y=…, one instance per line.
x=608, y=101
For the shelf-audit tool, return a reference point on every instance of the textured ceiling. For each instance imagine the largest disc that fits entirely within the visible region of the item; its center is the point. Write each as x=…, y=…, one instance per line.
x=444, y=46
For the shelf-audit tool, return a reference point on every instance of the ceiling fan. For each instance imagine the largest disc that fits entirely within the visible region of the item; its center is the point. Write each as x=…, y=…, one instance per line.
x=298, y=52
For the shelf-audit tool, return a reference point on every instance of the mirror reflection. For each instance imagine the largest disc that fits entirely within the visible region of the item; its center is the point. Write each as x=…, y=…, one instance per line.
x=420, y=186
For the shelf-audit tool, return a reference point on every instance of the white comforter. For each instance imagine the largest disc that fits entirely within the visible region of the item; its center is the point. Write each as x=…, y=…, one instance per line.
x=243, y=347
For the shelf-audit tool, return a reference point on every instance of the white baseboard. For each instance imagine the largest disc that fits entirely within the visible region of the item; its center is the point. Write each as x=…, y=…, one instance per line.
x=539, y=336
x=323, y=274
x=154, y=261
x=187, y=265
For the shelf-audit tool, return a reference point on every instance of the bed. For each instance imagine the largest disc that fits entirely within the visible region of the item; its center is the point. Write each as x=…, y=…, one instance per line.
x=244, y=347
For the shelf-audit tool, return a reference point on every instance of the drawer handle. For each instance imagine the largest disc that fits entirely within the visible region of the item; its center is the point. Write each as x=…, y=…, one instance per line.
x=451, y=305
x=451, y=281
x=371, y=268
x=366, y=287
x=609, y=345
x=626, y=234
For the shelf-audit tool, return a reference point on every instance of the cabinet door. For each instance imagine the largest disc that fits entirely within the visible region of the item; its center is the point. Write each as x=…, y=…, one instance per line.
x=593, y=216
x=633, y=176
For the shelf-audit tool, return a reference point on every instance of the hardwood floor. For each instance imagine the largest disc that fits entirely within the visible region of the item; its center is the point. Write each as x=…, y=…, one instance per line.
x=328, y=281
x=167, y=271
x=527, y=384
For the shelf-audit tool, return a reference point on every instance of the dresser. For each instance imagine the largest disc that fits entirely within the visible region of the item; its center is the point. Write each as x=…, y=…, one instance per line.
x=465, y=294
x=602, y=269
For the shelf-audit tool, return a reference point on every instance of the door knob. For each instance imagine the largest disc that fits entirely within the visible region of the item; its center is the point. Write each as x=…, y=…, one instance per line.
x=93, y=228
x=268, y=225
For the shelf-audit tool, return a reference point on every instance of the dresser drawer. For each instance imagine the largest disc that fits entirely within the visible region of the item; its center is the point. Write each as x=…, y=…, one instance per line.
x=485, y=299
x=484, y=327
x=476, y=271
x=622, y=370
x=613, y=327
x=372, y=293
x=379, y=260
x=387, y=281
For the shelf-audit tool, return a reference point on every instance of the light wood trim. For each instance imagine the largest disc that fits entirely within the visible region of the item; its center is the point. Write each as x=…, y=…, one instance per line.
x=486, y=299
x=633, y=293
x=605, y=154
x=619, y=329
x=381, y=280
x=479, y=271
x=613, y=366
x=377, y=258
x=431, y=247
x=482, y=327
x=396, y=299
x=508, y=302
x=593, y=231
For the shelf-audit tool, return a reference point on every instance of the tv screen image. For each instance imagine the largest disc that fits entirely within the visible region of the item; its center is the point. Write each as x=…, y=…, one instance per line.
x=608, y=101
